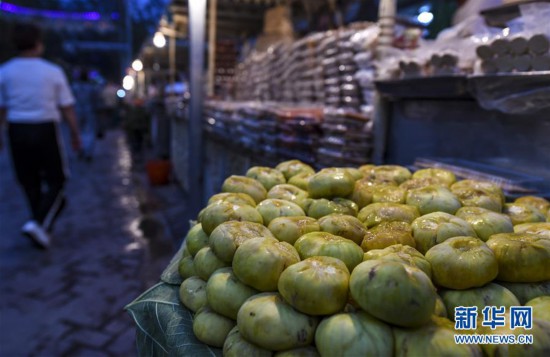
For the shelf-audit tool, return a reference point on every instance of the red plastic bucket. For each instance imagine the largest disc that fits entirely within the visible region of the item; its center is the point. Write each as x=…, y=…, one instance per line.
x=158, y=172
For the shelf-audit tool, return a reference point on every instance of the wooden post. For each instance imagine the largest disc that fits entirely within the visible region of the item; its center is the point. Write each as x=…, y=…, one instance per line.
x=212, y=46
x=386, y=20
x=197, y=18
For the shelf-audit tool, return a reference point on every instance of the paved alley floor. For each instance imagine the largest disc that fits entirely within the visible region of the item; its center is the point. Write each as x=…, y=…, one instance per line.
x=68, y=300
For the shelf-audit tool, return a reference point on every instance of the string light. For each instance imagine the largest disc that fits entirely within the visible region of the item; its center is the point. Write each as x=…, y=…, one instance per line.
x=137, y=65
x=159, y=40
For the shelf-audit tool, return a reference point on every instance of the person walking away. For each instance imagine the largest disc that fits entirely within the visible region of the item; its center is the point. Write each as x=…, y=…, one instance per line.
x=86, y=97
x=109, y=101
x=137, y=126
x=34, y=97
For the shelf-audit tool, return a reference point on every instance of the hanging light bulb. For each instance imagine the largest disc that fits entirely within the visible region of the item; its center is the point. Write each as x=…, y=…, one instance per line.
x=425, y=17
x=128, y=82
x=159, y=40
x=137, y=65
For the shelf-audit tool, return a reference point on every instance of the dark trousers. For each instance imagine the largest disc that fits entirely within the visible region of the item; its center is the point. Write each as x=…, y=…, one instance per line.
x=40, y=168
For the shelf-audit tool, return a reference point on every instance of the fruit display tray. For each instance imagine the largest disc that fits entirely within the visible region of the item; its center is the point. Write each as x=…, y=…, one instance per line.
x=513, y=183
x=513, y=93
x=454, y=86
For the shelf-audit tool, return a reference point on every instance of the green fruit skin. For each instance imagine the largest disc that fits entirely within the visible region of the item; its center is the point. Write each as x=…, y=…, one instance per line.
x=354, y=172
x=186, y=267
x=367, y=169
x=292, y=168
x=397, y=174
x=326, y=244
x=387, y=234
x=388, y=193
x=377, y=213
x=265, y=313
x=241, y=199
x=259, y=262
x=289, y=193
x=330, y=183
x=465, y=257
x=478, y=197
x=192, y=293
x=226, y=294
x=353, y=334
x=489, y=295
x=527, y=291
x=401, y=253
x=322, y=207
x=541, y=307
x=301, y=180
x=196, y=239
x=485, y=222
x=228, y=236
x=444, y=177
x=185, y=252
x=351, y=207
x=440, y=309
x=289, y=229
x=522, y=257
x=316, y=286
x=243, y=184
x=362, y=193
x=309, y=351
x=272, y=208
x=433, y=339
x=435, y=228
x=523, y=213
x=267, y=176
x=415, y=183
x=538, y=202
x=344, y=226
x=393, y=292
x=433, y=199
x=217, y=213
x=236, y=346
x=540, y=228
x=206, y=263
x=472, y=193
x=211, y=328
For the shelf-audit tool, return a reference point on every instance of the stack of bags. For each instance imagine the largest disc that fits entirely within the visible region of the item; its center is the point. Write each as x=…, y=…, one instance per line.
x=346, y=140
x=299, y=131
x=341, y=89
x=308, y=72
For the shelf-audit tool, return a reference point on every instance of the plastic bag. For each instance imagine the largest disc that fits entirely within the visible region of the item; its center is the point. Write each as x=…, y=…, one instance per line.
x=514, y=94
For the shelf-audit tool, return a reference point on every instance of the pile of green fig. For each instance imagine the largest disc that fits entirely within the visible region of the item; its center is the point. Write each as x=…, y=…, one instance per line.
x=368, y=261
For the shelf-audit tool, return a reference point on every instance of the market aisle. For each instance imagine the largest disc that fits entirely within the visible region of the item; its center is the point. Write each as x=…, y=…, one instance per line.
x=69, y=301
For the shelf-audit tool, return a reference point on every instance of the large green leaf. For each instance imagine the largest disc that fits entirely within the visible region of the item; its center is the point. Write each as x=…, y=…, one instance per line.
x=164, y=326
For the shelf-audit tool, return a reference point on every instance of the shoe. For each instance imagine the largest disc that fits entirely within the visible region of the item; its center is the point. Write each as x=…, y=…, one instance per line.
x=37, y=234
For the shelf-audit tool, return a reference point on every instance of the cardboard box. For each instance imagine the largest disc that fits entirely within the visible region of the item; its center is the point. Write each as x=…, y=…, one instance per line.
x=277, y=21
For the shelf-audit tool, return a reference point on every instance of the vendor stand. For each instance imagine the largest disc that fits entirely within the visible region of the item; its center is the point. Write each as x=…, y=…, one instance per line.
x=446, y=121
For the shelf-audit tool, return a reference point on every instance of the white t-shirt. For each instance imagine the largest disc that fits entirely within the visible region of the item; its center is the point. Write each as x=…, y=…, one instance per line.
x=32, y=90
